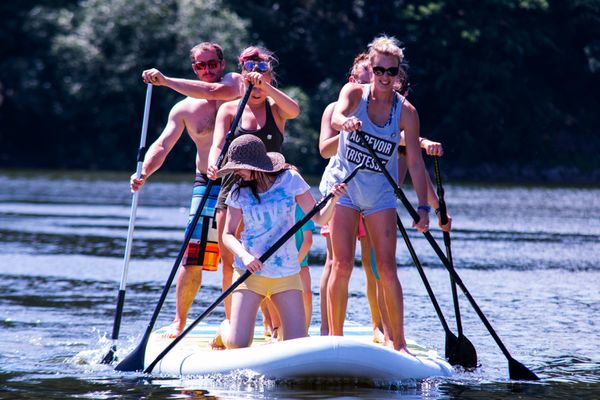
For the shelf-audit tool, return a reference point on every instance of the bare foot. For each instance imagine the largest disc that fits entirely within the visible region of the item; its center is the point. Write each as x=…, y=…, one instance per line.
x=172, y=331
x=275, y=336
x=378, y=336
x=217, y=342
x=404, y=349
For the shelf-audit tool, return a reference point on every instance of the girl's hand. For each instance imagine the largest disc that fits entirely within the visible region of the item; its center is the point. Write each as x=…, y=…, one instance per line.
x=338, y=190
x=252, y=263
x=423, y=224
x=211, y=172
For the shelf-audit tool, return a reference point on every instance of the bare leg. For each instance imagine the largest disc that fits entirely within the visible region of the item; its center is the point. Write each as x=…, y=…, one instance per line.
x=323, y=287
x=289, y=305
x=306, y=294
x=384, y=243
x=365, y=249
x=272, y=317
x=244, y=307
x=188, y=284
x=344, y=225
x=226, y=260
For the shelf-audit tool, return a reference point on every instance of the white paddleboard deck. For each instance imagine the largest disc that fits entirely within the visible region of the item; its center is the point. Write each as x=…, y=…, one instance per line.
x=354, y=355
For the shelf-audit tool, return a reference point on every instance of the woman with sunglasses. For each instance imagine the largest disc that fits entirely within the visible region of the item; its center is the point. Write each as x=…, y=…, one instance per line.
x=381, y=114
x=264, y=116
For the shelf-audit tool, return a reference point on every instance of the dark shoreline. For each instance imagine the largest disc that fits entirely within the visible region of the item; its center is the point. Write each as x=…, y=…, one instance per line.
x=487, y=174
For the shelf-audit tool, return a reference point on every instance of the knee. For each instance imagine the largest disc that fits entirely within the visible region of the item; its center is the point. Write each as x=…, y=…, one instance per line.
x=387, y=272
x=341, y=268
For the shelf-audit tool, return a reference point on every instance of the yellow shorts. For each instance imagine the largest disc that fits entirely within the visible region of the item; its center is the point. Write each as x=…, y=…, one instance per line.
x=265, y=286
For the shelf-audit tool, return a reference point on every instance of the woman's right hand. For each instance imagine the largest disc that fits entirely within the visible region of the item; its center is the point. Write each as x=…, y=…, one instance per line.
x=211, y=172
x=352, y=124
x=338, y=190
x=251, y=263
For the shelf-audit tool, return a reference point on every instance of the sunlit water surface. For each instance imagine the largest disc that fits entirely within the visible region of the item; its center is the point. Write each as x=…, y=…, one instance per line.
x=528, y=255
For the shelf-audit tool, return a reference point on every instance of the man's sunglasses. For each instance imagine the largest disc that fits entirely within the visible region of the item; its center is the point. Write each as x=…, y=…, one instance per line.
x=260, y=66
x=392, y=71
x=210, y=64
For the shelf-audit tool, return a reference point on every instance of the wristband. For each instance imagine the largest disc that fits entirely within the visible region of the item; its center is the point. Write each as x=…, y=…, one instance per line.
x=426, y=208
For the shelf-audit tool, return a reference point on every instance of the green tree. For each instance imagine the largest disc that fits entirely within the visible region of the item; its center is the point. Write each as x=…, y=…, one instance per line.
x=93, y=70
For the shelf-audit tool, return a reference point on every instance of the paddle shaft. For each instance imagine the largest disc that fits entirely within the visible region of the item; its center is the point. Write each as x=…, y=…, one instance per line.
x=413, y=213
x=286, y=236
x=134, y=203
x=447, y=242
x=186, y=240
x=417, y=263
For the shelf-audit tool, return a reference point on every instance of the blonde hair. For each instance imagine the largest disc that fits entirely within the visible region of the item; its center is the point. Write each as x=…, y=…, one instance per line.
x=387, y=45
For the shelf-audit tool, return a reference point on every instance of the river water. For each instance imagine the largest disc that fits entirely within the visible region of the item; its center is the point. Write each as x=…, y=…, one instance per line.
x=529, y=255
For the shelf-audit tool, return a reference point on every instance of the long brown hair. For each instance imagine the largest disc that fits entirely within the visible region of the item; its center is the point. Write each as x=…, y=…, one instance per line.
x=259, y=178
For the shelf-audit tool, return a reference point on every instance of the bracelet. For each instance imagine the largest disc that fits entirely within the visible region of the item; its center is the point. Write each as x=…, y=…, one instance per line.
x=426, y=208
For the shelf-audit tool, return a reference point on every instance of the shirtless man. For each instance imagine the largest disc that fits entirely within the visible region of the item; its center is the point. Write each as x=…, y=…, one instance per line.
x=196, y=114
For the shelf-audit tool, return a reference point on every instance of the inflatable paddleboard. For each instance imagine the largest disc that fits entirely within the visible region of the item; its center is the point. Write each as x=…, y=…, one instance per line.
x=354, y=355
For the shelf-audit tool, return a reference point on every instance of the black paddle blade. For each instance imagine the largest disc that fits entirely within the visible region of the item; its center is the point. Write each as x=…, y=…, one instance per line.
x=110, y=356
x=464, y=354
x=135, y=360
x=519, y=372
x=451, y=342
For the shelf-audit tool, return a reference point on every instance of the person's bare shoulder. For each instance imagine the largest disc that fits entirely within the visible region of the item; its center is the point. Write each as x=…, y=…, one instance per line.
x=233, y=79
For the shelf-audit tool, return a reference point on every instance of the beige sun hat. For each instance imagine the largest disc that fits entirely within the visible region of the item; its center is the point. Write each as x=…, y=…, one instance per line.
x=249, y=152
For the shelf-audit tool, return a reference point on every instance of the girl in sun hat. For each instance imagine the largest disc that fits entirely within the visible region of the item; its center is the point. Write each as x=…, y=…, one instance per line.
x=264, y=194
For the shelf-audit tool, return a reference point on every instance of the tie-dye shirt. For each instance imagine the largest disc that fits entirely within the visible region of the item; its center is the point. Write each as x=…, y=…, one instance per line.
x=268, y=220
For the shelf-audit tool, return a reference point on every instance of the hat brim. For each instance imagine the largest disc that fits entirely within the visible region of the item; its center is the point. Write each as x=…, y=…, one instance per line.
x=277, y=164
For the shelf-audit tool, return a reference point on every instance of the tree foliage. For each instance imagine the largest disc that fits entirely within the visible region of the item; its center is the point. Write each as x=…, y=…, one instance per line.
x=509, y=83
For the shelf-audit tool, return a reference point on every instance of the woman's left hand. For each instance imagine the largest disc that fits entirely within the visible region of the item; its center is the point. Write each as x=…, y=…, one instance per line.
x=433, y=148
x=448, y=226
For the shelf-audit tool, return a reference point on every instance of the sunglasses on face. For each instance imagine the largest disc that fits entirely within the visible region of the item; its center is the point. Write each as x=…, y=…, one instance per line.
x=210, y=64
x=392, y=71
x=260, y=66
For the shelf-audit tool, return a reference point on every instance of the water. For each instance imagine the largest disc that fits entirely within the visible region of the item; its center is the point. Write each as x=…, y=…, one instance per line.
x=528, y=255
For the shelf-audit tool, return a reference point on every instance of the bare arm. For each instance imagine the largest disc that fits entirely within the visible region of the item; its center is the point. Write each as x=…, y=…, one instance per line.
x=229, y=88
x=232, y=221
x=347, y=102
x=158, y=151
x=328, y=137
x=307, y=202
x=286, y=107
x=409, y=122
x=307, y=238
x=222, y=124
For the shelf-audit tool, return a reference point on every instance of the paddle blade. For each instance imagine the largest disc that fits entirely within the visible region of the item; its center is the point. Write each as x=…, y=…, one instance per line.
x=110, y=356
x=464, y=354
x=134, y=361
x=451, y=342
x=519, y=372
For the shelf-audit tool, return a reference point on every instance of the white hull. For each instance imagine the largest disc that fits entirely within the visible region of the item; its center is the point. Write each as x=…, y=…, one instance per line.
x=352, y=356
